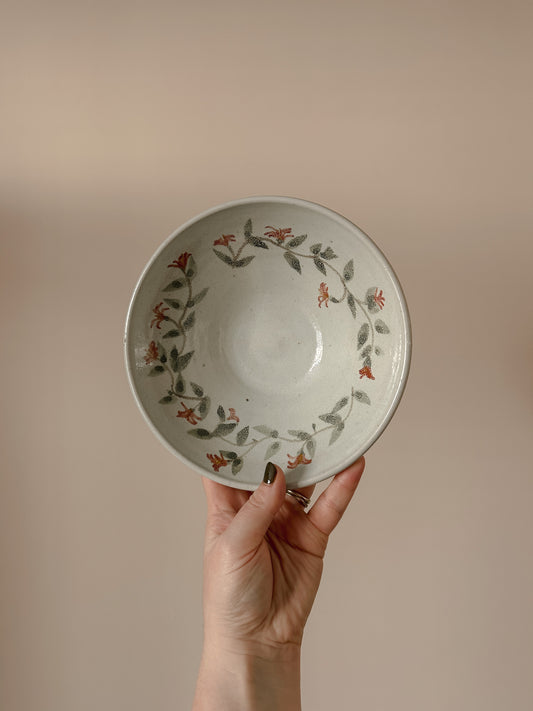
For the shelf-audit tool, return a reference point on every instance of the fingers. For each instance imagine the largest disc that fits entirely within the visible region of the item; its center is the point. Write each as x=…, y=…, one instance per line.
x=333, y=502
x=250, y=524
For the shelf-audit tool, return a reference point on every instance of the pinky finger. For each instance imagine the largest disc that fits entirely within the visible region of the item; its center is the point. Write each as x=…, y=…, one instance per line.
x=333, y=502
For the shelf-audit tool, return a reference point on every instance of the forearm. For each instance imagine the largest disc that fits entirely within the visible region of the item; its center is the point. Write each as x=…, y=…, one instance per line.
x=251, y=680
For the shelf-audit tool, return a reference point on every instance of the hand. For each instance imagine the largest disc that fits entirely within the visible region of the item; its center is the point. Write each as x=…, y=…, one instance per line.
x=262, y=567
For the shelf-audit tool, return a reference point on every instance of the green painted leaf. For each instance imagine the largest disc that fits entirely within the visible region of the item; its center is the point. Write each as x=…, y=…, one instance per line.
x=362, y=336
x=381, y=327
x=362, y=397
x=221, y=414
x=242, y=435
x=348, y=271
x=315, y=248
x=366, y=351
x=174, y=303
x=328, y=253
x=197, y=390
x=184, y=360
x=244, y=261
x=192, y=269
x=336, y=433
x=334, y=300
x=370, y=300
x=156, y=370
x=180, y=385
x=200, y=434
x=189, y=321
x=296, y=241
x=319, y=264
x=248, y=229
x=263, y=429
x=311, y=447
x=224, y=428
x=331, y=419
x=236, y=466
x=257, y=242
x=299, y=434
x=228, y=455
x=272, y=449
x=378, y=351
x=351, y=304
x=165, y=400
x=224, y=257
x=340, y=404
x=367, y=362
x=196, y=299
x=174, y=359
x=174, y=333
x=204, y=406
x=293, y=262
x=176, y=284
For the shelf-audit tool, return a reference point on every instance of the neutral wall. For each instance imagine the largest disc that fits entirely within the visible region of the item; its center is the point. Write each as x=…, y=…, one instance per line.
x=121, y=120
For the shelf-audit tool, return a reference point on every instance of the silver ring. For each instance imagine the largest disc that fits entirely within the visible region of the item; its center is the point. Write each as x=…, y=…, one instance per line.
x=300, y=498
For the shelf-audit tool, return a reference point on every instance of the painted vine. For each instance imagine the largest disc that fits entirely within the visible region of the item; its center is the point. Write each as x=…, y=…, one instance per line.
x=178, y=319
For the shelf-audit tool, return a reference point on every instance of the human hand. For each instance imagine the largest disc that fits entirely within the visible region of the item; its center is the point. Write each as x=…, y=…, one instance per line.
x=262, y=566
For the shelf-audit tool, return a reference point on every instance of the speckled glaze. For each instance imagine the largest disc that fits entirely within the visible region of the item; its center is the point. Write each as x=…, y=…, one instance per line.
x=268, y=328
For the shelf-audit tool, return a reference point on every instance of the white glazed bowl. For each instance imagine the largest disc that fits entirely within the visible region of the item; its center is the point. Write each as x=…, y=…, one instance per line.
x=268, y=329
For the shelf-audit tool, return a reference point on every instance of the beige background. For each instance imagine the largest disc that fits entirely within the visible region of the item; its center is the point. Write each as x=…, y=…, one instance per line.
x=120, y=120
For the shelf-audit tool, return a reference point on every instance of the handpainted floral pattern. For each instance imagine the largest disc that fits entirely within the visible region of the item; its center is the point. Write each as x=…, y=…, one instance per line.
x=194, y=405
x=323, y=295
x=322, y=258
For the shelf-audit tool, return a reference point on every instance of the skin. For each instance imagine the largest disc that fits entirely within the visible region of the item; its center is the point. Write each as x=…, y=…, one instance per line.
x=263, y=562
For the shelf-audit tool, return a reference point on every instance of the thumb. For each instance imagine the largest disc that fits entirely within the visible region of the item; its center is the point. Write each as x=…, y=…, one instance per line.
x=251, y=522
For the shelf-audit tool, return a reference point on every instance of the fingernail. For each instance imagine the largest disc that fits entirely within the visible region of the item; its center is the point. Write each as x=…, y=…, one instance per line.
x=270, y=473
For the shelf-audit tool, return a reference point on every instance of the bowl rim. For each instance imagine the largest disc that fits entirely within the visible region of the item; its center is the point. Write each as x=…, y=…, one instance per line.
x=317, y=207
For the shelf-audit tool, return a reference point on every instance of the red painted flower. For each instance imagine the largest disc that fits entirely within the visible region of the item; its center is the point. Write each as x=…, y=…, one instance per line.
x=366, y=372
x=233, y=415
x=379, y=298
x=299, y=459
x=323, y=295
x=151, y=353
x=217, y=461
x=188, y=414
x=181, y=261
x=278, y=233
x=159, y=315
x=225, y=240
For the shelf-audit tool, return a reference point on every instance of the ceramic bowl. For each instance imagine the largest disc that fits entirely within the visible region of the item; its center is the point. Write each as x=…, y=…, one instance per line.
x=268, y=329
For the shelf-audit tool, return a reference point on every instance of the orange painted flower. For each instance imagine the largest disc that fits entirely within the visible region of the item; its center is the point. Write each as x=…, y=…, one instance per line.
x=379, y=298
x=217, y=461
x=366, y=372
x=188, y=414
x=151, y=353
x=159, y=315
x=181, y=261
x=225, y=240
x=233, y=415
x=278, y=233
x=297, y=460
x=323, y=295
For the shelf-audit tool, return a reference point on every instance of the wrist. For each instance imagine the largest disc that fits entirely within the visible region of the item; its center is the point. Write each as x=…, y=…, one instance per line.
x=250, y=676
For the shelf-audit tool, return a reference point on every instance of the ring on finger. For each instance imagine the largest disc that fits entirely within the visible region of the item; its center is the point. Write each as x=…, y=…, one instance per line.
x=300, y=498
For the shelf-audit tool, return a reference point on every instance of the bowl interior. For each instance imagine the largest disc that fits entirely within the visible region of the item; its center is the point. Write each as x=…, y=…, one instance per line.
x=268, y=329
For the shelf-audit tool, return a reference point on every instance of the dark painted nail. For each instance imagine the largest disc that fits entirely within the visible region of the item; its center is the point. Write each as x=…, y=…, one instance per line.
x=270, y=473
